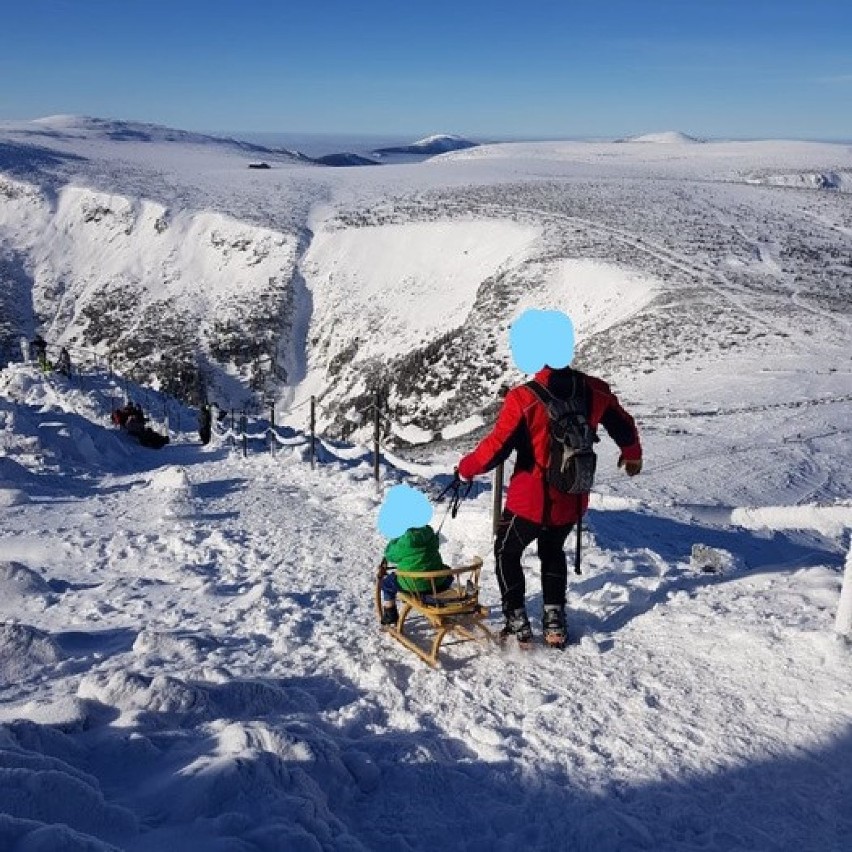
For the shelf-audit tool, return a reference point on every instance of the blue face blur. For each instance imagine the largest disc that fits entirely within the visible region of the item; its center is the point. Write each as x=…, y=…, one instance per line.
x=541, y=337
x=403, y=507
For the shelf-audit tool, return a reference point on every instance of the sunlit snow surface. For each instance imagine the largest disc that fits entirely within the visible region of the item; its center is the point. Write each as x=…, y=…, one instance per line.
x=189, y=658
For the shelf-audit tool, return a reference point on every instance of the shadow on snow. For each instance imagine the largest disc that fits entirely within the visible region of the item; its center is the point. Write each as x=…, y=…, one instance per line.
x=312, y=763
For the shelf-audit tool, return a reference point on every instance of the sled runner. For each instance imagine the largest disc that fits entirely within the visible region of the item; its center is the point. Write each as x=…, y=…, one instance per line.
x=455, y=610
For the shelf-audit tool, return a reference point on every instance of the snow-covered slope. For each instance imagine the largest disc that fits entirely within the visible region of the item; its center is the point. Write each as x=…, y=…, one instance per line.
x=89, y=128
x=189, y=658
x=188, y=299
x=264, y=284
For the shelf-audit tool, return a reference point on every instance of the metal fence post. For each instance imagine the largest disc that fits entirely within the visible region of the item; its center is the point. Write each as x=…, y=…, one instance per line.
x=843, y=620
x=313, y=430
x=376, y=436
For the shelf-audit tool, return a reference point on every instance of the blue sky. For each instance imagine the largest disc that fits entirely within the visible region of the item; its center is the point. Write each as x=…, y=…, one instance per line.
x=719, y=68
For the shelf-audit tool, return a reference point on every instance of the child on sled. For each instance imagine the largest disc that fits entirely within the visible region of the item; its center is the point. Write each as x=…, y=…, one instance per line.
x=413, y=546
x=417, y=549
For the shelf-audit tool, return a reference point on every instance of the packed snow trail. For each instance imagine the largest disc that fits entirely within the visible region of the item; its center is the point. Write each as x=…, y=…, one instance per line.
x=191, y=661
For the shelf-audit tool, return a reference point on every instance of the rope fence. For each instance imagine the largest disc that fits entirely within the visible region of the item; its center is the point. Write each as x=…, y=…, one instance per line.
x=251, y=432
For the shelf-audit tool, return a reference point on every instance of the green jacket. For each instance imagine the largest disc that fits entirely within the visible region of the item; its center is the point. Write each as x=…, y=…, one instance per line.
x=415, y=550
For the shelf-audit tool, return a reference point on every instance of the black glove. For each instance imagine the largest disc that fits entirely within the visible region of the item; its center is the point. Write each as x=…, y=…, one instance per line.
x=632, y=467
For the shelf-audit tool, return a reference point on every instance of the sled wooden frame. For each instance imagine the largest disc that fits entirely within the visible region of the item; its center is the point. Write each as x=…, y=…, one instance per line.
x=454, y=611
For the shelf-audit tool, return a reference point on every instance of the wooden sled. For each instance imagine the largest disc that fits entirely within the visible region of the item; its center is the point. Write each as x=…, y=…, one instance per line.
x=455, y=610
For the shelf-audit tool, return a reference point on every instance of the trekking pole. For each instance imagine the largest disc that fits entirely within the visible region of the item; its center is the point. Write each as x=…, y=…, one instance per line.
x=497, y=506
x=579, y=543
x=376, y=437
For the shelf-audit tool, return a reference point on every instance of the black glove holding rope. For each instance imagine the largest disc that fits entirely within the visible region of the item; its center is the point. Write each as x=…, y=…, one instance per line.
x=458, y=489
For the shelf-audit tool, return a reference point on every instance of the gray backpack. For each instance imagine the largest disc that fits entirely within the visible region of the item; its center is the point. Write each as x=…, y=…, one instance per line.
x=571, y=459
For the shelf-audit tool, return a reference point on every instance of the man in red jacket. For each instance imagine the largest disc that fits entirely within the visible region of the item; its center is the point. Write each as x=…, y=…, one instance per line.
x=535, y=510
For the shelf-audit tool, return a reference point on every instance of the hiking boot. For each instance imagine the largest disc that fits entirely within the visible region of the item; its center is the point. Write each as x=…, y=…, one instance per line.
x=390, y=616
x=553, y=626
x=517, y=625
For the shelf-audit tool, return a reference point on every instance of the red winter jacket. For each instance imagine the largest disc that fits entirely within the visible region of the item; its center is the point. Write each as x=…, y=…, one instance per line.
x=523, y=426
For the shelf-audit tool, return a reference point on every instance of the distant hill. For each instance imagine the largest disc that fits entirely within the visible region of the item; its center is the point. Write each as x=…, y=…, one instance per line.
x=667, y=137
x=86, y=127
x=429, y=146
x=345, y=160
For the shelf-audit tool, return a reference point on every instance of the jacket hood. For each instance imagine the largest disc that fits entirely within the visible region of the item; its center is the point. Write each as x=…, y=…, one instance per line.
x=559, y=382
x=419, y=536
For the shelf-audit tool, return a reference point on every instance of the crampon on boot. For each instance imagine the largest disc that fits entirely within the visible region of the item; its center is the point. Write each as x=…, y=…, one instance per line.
x=518, y=625
x=553, y=626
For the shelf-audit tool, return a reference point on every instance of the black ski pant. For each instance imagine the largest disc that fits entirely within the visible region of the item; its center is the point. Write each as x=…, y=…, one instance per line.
x=514, y=535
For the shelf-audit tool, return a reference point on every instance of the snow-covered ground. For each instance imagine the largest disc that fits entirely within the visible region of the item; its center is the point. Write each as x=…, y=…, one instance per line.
x=189, y=658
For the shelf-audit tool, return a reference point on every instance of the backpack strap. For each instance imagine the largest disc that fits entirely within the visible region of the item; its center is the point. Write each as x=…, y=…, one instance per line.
x=540, y=391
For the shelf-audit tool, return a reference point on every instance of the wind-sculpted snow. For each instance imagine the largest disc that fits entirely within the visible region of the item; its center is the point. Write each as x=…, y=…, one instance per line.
x=24, y=650
x=17, y=581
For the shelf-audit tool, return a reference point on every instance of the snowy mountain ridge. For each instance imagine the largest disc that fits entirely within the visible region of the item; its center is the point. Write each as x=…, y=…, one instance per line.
x=439, y=143
x=90, y=128
x=125, y=277
x=270, y=287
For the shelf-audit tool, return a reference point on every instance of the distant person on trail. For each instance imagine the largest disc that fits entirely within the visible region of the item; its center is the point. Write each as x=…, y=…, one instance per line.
x=134, y=422
x=38, y=348
x=205, y=424
x=121, y=416
x=63, y=363
x=413, y=546
x=536, y=509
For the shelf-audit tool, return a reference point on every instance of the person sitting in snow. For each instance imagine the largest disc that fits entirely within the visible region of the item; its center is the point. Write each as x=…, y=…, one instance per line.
x=122, y=416
x=132, y=419
x=413, y=546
